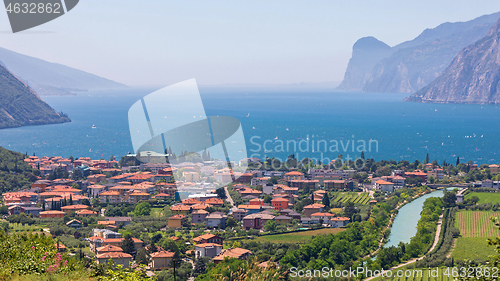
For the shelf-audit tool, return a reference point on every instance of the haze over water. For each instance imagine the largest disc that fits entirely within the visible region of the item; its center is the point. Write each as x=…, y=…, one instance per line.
x=403, y=131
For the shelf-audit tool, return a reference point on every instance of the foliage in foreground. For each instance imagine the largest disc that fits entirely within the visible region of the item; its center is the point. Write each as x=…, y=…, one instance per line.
x=24, y=254
x=241, y=270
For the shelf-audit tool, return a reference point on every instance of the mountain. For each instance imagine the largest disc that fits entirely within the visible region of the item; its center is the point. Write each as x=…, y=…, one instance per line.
x=21, y=106
x=48, y=78
x=366, y=53
x=412, y=65
x=472, y=77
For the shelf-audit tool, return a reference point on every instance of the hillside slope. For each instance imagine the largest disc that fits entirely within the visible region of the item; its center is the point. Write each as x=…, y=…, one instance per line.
x=472, y=77
x=21, y=106
x=51, y=78
x=412, y=65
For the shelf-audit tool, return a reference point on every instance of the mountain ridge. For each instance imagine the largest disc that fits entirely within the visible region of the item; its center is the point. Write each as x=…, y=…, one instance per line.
x=472, y=77
x=21, y=106
x=412, y=65
x=48, y=78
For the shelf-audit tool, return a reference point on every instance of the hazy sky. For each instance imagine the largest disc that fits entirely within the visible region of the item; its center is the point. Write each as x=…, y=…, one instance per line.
x=231, y=41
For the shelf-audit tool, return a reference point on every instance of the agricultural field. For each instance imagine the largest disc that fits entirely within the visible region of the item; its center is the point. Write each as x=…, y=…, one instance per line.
x=476, y=223
x=157, y=212
x=297, y=237
x=485, y=197
x=475, y=229
x=17, y=227
x=472, y=248
x=361, y=198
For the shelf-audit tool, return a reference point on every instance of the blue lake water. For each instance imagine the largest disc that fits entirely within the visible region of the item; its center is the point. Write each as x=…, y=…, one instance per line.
x=405, y=223
x=402, y=130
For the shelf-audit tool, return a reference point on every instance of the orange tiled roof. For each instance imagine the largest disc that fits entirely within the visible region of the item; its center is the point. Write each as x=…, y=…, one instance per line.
x=162, y=254
x=294, y=173
x=180, y=207
x=113, y=255
x=177, y=217
x=314, y=206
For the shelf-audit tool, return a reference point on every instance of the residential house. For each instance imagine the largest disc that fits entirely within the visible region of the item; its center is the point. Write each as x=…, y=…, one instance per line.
x=282, y=219
x=294, y=175
x=119, y=258
x=279, y=203
x=256, y=221
x=52, y=214
x=259, y=181
x=107, y=249
x=490, y=184
x=493, y=168
x=313, y=208
x=384, y=186
x=207, y=250
x=339, y=221
x=85, y=213
x=17, y=209
x=322, y=217
x=208, y=238
x=176, y=221
x=245, y=178
x=110, y=197
x=74, y=224
x=71, y=209
x=257, y=201
x=239, y=214
x=120, y=220
x=216, y=219
x=251, y=209
x=180, y=209
x=161, y=260
x=237, y=253
x=199, y=216
x=118, y=242
x=95, y=190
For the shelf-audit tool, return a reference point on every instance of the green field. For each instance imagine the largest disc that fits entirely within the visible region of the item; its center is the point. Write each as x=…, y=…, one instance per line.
x=361, y=198
x=157, y=212
x=476, y=223
x=485, y=197
x=297, y=237
x=475, y=228
x=472, y=248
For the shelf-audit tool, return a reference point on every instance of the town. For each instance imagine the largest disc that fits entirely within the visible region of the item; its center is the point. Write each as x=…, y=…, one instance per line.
x=190, y=215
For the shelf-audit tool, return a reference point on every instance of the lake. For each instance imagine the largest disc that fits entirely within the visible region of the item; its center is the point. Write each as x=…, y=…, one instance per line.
x=398, y=130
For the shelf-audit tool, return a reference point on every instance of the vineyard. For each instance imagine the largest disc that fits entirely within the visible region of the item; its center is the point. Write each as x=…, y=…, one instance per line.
x=361, y=198
x=476, y=223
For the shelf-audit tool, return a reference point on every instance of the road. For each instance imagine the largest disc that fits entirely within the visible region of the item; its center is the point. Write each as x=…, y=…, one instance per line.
x=229, y=199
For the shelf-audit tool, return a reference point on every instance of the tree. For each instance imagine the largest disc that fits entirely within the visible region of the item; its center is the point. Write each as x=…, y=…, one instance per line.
x=141, y=256
x=270, y=226
x=326, y=200
x=427, y=158
x=142, y=209
x=200, y=266
x=349, y=210
x=362, y=155
x=128, y=245
x=458, y=161
x=449, y=199
x=221, y=192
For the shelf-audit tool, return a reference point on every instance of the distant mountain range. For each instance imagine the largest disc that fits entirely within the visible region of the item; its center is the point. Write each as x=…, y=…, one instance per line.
x=412, y=65
x=472, y=77
x=21, y=106
x=48, y=78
